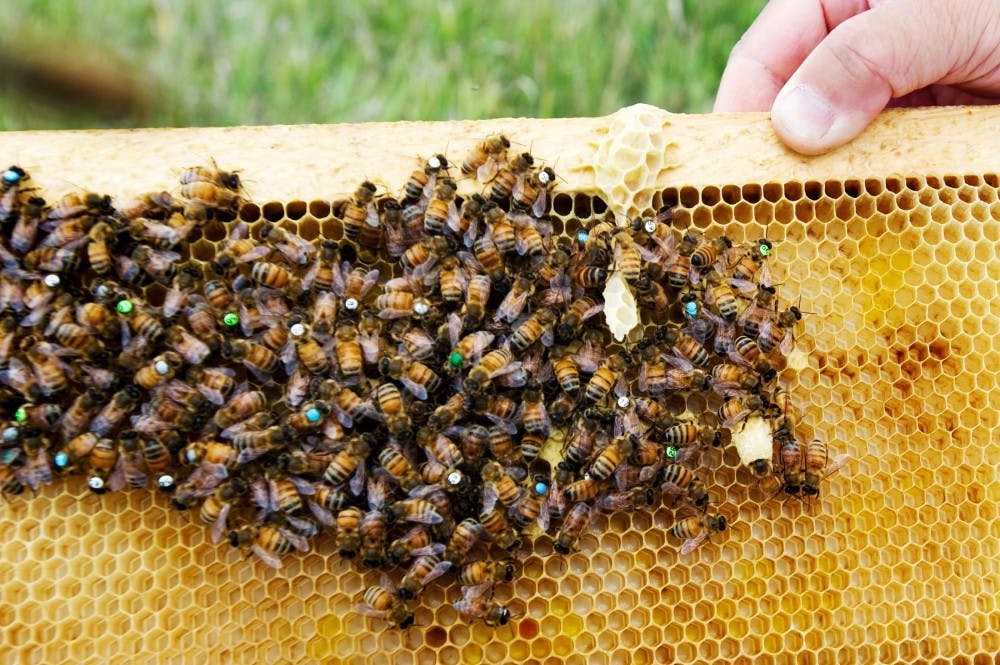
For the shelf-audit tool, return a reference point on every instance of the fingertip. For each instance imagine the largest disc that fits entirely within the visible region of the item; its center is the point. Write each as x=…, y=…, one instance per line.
x=808, y=123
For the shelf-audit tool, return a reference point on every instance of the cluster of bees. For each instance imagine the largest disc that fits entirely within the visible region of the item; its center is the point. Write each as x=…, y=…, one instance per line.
x=428, y=387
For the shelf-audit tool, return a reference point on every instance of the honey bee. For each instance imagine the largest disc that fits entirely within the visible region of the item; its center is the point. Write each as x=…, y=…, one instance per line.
x=609, y=459
x=778, y=331
x=390, y=402
x=215, y=509
x=9, y=482
x=685, y=434
x=240, y=407
x=349, y=532
x=487, y=158
x=589, y=277
x=349, y=463
x=539, y=326
x=293, y=247
x=163, y=368
x=649, y=292
x=229, y=180
x=534, y=415
x=398, y=468
x=708, y=251
x=572, y=528
x=193, y=350
x=585, y=489
x=441, y=209
x=476, y=604
x=696, y=529
x=495, y=523
x=416, y=377
x=156, y=454
x=421, y=182
x=310, y=353
x=487, y=251
x=121, y=404
x=420, y=511
x=678, y=480
x=41, y=417
x=415, y=542
x=101, y=465
x=491, y=365
x=752, y=266
x=758, y=311
x=499, y=485
x=736, y=409
x=399, y=304
x=817, y=466
x=207, y=194
x=384, y=603
x=275, y=276
x=509, y=176
x=78, y=448
x=360, y=211
x=37, y=468
x=745, y=351
x=532, y=191
x=607, y=377
x=627, y=259
x=268, y=542
x=14, y=191
x=790, y=456
x=477, y=572
x=683, y=345
x=679, y=267
x=422, y=571
x=373, y=538
x=720, y=295
x=79, y=204
x=466, y=534
x=529, y=507
x=256, y=357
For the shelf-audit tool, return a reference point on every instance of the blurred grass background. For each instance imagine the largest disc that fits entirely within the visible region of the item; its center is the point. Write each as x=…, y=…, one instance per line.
x=229, y=62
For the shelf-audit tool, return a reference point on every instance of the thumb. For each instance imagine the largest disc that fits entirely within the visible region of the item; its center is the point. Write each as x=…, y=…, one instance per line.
x=885, y=52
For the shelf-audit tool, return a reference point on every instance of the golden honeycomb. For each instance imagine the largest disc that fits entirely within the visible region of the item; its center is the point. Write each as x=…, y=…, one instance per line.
x=892, y=244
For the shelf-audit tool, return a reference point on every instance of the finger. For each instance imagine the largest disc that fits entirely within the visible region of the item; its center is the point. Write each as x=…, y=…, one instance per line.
x=781, y=37
x=887, y=52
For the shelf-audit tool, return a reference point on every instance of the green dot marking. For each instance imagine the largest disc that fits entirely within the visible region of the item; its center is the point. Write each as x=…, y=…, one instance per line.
x=230, y=319
x=20, y=415
x=455, y=359
x=672, y=451
x=765, y=249
x=124, y=306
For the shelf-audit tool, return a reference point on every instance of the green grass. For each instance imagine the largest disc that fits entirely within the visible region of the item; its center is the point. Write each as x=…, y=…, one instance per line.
x=228, y=62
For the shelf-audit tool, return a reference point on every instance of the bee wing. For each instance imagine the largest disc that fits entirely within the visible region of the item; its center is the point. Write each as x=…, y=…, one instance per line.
x=736, y=418
x=369, y=346
x=117, y=479
x=417, y=390
x=267, y=556
x=219, y=525
x=357, y=483
x=508, y=426
x=544, y=518
x=743, y=286
x=490, y=496
x=323, y=516
x=378, y=491
x=765, y=278
x=434, y=549
x=454, y=219
x=837, y=464
x=369, y=611
x=371, y=218
x=541, y=203
x=488, y=170
x=670, y=489
x=691, y=544
x=261, y=495
x=787, y=342
x=297, y=541
x=437, y=571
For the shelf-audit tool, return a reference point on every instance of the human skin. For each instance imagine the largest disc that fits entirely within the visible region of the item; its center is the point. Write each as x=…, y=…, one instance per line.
x=826, y=68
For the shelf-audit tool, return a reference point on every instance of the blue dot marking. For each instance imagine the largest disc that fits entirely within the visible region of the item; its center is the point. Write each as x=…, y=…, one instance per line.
x=10, y=176
x=312, y=415
x=61, y=459
x=691, y=308
x=541, y=488
x=582, y=235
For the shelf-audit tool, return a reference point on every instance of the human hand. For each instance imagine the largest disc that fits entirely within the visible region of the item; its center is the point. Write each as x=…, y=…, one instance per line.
x=825, y=68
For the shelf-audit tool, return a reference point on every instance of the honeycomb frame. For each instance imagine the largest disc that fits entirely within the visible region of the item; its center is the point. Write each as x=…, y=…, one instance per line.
x=891, y=241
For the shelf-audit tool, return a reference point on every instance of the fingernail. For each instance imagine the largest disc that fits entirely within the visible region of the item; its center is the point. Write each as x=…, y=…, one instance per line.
x=803, y=114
